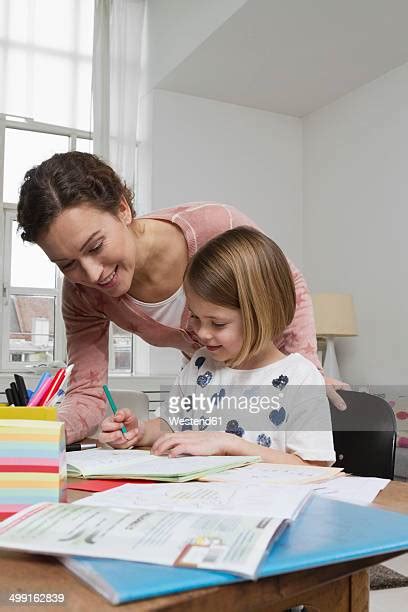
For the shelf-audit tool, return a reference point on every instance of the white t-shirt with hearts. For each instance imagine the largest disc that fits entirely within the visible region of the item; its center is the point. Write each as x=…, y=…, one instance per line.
x=282, y=405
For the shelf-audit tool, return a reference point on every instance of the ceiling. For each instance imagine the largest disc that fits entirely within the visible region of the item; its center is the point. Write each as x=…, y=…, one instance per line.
x=295, y=56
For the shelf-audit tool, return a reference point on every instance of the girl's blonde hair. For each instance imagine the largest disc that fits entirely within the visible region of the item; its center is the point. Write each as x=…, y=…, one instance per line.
x=242, y=268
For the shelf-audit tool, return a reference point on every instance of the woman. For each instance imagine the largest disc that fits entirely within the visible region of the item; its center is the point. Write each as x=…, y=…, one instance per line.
x=124, y=269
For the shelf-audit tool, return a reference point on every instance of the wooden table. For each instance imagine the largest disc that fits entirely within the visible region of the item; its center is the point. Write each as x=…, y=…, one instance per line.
x=338, y=587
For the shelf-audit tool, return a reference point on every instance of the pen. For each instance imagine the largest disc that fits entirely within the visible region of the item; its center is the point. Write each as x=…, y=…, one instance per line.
x=14, y=393
x=22, y=389
x=113, y=405
x=77, y=446
x=42, y=380
x=10, y=397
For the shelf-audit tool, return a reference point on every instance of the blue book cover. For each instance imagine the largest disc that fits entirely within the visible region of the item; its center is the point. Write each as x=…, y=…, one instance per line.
x=325, y=532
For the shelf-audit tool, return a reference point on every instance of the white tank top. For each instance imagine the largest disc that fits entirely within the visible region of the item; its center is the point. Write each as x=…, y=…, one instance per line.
x=168, y=312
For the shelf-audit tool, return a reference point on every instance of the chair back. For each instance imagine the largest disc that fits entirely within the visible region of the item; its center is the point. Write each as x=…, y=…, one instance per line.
x=364, y=435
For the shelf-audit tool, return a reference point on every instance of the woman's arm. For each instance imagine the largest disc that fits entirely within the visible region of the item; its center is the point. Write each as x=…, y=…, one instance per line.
x=87, y=332
x=300, y=335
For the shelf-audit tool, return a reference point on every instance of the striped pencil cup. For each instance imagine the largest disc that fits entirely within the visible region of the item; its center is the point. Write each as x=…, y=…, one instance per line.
x=32, y=463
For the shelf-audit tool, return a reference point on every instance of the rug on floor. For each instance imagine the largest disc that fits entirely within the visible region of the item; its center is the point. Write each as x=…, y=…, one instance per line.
x=382, y=577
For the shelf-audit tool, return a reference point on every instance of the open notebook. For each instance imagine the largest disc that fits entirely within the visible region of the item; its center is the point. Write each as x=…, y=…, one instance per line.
x=138, y=464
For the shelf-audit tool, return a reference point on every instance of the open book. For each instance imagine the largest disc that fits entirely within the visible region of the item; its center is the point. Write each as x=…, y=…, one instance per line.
x=173, y=536
x=141, y=465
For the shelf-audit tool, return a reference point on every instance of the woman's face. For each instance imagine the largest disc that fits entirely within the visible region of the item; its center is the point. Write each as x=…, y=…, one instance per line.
x=93, y=248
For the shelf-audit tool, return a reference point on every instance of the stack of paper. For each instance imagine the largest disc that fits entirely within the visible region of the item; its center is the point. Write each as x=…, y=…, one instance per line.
x=32, y=463
x=326, y=532
x=141, y=465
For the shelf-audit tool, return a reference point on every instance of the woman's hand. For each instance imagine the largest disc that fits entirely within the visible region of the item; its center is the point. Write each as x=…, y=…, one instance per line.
x=111, y=429
x=193, y=443
x=332, y=385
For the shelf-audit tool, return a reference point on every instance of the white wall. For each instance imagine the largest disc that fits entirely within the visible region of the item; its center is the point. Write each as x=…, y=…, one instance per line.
x=174, y=28
x=197, y=149
x=252, y=159
x=356, y=219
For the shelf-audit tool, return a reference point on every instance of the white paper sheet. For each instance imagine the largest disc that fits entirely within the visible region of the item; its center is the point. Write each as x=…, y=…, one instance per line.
x=352, y=489
x=275, y=474
x=209, y=497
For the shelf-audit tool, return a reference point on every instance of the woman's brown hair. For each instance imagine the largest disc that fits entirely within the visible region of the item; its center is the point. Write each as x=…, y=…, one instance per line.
x=63, y=181
x=242, y=268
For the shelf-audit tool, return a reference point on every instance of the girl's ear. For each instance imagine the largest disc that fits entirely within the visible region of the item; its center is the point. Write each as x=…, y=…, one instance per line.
x=124, y=213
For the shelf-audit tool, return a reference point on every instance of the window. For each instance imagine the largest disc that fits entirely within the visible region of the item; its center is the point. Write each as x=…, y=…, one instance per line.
x=33, y=331
x=46, y=72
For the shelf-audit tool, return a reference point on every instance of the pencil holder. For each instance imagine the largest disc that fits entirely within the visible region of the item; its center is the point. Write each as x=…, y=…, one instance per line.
x=32, y=413
x=32, y=458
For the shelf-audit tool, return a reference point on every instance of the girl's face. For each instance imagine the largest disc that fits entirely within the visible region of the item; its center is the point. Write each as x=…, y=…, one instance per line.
x=93, y=248
x=218, y=328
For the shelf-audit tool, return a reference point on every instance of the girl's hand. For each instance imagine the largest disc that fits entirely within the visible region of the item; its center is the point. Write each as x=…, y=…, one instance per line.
x=193, y=443
x=111, y=429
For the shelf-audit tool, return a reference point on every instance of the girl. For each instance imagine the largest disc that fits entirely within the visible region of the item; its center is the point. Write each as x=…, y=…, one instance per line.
x=239, y=394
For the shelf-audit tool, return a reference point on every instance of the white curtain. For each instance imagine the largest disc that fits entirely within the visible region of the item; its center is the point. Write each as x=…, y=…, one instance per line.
x=117, y=46
x=46, y=60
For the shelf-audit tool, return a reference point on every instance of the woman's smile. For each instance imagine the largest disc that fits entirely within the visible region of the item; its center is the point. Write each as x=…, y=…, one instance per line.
x=109, y=281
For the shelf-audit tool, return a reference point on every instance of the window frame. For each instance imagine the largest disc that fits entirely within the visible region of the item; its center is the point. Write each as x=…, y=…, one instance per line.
x=8, y=211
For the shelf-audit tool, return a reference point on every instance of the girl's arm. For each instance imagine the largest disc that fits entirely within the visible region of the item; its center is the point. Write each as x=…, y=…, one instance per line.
x=269, y=455
x=221, y=443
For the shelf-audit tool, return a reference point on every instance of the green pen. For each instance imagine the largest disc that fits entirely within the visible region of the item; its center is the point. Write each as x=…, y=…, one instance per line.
x=112, y=405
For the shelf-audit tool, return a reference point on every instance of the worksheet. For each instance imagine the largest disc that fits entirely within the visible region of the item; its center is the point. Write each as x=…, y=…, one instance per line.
x=210, y=497
x=276, y=473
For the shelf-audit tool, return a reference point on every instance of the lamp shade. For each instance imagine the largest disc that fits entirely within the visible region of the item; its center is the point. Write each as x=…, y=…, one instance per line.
x=334, y=314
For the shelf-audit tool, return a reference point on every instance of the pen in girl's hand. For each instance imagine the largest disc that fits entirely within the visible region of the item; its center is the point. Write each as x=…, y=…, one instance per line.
x=113, y=405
